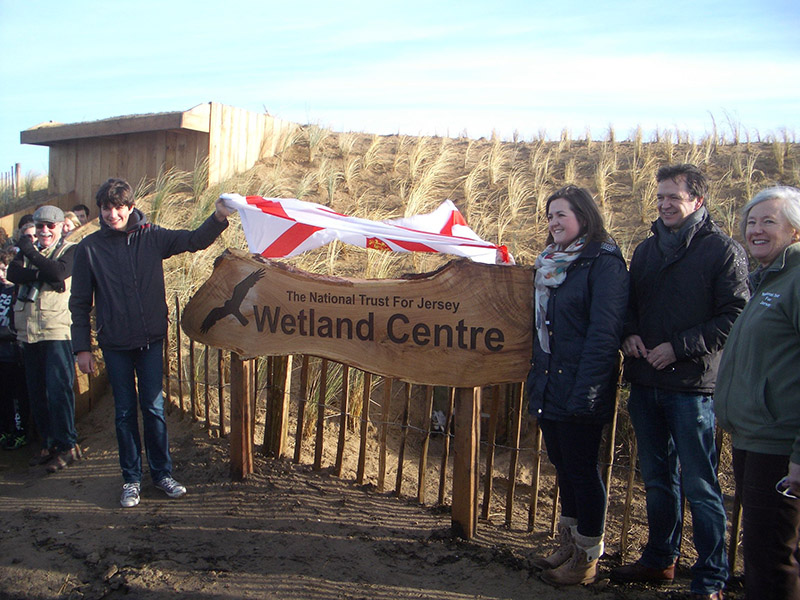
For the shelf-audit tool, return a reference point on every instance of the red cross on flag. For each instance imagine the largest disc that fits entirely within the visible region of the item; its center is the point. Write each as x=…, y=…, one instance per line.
x=283, y=227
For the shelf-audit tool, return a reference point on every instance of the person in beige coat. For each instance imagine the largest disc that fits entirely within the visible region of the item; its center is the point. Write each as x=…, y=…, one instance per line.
x=43, y=271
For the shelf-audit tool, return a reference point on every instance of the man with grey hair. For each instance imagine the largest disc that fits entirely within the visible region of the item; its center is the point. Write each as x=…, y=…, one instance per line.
x=43, y=271
x=688, y=285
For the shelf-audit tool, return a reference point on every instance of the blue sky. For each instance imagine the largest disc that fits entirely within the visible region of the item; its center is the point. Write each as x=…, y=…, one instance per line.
x=413, y=67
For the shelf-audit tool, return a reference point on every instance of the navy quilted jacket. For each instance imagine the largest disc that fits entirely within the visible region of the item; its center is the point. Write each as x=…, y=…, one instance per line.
x=577, y=381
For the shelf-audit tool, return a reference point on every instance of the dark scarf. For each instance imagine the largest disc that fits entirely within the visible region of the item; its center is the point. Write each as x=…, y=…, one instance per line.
x=669, y=241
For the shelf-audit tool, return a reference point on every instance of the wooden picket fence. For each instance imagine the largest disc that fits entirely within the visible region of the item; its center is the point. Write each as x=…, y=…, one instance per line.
x=10, y=181
x=227, y=393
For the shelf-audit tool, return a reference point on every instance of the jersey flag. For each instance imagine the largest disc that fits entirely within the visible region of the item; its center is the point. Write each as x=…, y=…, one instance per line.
x=284, y=227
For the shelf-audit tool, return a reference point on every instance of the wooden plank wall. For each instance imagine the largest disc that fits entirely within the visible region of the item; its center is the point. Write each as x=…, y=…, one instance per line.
x=239, y=138
x=83, y=165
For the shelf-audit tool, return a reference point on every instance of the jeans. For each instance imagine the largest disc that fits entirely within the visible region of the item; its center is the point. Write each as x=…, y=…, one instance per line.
x=50, y=373
x=676, y=430
x=770, y=524
x=147, y=365
x=573, y=449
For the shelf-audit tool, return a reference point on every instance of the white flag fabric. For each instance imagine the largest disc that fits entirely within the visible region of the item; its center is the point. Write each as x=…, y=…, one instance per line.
x=284, y=227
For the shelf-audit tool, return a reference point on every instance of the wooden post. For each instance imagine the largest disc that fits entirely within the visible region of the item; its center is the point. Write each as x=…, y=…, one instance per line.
x=17, y=179
x=343, y=419
x=465, y=461
x=611, y=433
x=221, y=391
x=167, y=382
x=719, y=438
x=626, y=515
x=241, y=418
x=554, y=513
x=207, y=396
x=736, y=525
x=387, y=400
x=277, y=409
x=423, y=455
x=93, y=391
x=253, y=392
x=446, y=449
x=491, y=436
x=323, y=392
x=362, y=449
x=514, y=457
x=301, y=408
x=535, y=473
x=398, y=485
x=192, y=381
x=180, y=359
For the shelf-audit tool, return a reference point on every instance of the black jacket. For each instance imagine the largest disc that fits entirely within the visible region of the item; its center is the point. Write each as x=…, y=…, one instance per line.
x=53, y=272
x=121, y=273
x=690, y=299
x=578, y=380
x=9, y=348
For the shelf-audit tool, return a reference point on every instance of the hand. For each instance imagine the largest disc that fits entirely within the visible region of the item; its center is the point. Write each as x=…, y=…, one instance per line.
x=25, y=245
x=222, y=212
x=633, y=346
x=86, y=362
x=793, y=479
x=661, y=356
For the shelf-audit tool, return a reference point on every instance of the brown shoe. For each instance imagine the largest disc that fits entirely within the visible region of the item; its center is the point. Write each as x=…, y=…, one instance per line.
x=712, y=596
x=562, y=553
x=579, y=569
x=639, y=573
x=64, y=459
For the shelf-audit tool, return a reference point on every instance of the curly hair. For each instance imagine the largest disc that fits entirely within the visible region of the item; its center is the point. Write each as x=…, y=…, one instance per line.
x=116, y=193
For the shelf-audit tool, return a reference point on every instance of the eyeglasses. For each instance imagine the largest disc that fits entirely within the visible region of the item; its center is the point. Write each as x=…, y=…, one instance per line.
x=42, y=225
x=782, y=487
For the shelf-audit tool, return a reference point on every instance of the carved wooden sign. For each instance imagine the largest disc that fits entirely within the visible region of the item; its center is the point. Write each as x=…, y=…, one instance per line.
x=465, y=325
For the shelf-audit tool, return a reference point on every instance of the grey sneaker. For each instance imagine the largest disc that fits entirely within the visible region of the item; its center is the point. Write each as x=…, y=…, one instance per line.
x=130, y=494
x=170, y=487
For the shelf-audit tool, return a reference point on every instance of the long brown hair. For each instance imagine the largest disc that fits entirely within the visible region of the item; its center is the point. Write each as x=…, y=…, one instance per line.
x=585, y=209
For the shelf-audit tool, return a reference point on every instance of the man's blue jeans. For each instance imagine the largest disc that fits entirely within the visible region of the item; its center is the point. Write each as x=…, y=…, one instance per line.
x=676, y=430
x=50, y=373
x=147, y=365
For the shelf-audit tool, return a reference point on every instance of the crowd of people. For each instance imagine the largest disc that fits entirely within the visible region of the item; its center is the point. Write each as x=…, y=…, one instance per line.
x=50, y=286
x=702, y=342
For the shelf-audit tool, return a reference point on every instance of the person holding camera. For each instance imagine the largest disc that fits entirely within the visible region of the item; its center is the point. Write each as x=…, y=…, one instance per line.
x=43, y=271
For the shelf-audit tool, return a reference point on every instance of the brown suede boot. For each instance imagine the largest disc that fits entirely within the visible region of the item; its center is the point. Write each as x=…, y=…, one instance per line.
x=581, y=568
x=564, y=550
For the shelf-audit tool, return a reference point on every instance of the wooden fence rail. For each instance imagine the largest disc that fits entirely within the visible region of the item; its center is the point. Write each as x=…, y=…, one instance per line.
x=321, y=394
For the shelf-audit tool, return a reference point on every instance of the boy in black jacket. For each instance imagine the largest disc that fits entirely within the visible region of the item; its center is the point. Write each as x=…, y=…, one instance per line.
x=118, y=269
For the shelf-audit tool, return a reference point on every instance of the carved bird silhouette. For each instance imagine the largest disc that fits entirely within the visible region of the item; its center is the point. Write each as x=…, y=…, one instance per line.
x=232, y=306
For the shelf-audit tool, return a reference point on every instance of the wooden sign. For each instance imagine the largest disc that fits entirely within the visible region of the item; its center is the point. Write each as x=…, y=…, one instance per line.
x=465, y=325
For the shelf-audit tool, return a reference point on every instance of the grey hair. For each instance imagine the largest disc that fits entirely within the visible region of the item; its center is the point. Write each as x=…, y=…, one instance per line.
x=790, y=205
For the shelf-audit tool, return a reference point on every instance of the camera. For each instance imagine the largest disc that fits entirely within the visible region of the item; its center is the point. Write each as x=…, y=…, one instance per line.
x=29, y=291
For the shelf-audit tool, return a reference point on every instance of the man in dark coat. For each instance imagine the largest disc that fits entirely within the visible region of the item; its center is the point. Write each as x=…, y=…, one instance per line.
x=118, y=269
x=688, y=285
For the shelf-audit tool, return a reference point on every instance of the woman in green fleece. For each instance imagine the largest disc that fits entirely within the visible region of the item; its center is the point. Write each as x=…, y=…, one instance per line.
x=758, y=397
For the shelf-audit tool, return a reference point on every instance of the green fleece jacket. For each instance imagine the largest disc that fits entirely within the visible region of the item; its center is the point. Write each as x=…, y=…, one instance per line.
x=758, y=387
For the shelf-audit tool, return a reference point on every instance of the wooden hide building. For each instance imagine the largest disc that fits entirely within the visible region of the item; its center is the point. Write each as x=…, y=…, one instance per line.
x=84, y=155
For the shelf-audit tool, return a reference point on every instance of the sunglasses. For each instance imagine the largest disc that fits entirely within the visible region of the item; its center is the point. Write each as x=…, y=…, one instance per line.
x=42, y=225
